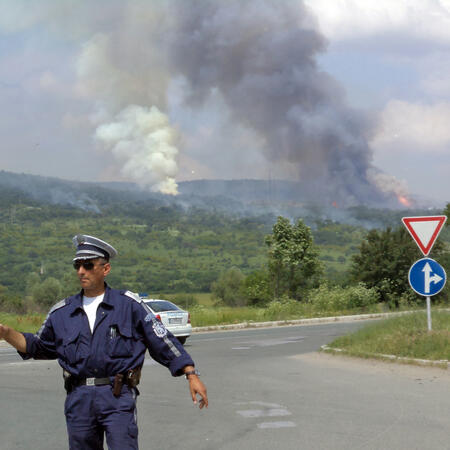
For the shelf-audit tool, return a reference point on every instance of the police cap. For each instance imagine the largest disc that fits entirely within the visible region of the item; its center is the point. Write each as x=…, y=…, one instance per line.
x=89, y=247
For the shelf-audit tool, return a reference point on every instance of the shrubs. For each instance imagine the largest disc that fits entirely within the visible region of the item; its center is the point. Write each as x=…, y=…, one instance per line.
x=229, y=288
x=185, y=301
x=284, y=309
x=332, y=299
x=47, y=293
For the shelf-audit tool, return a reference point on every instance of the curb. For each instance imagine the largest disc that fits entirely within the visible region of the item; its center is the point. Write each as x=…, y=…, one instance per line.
x=311, y=321
x=441, y=363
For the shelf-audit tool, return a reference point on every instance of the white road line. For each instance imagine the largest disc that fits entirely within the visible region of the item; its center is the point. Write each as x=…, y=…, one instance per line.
x=264, y=413
x=265, y=425
x=267, y=410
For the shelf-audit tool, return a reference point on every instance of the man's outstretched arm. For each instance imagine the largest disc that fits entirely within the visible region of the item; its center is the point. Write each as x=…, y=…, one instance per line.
x=14, y=338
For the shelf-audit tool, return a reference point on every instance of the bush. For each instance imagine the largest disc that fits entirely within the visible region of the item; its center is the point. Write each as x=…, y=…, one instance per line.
x=257, y=288
x=283, y=309
x=229, y=288
x=184, y=301
x=12, y=304
x=48, y=292
x=336, y=298
x=182, y=285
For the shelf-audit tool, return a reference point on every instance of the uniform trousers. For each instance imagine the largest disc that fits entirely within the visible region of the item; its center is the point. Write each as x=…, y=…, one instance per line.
x=93, y=412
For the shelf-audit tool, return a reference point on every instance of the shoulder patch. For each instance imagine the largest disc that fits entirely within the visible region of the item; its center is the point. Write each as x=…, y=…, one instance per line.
x=158, y=328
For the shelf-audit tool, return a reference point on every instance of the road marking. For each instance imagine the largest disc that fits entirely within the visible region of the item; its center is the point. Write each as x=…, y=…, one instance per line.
x=264, y=413
x=266, y=425
x=269, y=342
x=264, y=404
x=266, y=410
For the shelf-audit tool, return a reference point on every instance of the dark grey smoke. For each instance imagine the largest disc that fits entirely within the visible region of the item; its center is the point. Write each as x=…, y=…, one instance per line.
x=261, y=56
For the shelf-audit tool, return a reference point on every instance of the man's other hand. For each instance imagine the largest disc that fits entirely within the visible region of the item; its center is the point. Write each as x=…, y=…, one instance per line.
x=197, y=387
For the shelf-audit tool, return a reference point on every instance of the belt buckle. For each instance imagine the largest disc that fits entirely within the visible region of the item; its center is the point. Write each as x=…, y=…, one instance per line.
x=90, y=381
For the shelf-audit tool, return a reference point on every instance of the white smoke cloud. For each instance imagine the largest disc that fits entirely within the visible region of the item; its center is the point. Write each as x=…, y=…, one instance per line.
x=142, y=139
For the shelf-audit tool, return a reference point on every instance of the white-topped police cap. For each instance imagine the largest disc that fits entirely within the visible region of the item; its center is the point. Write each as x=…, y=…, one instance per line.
x=89, y=247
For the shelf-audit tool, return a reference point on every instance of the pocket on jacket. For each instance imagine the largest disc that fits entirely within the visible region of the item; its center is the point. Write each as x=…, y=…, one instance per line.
x=119, y=341
x=72, y=348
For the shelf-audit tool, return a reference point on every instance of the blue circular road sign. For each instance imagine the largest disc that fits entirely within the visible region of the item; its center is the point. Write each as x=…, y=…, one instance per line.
x=427, y=277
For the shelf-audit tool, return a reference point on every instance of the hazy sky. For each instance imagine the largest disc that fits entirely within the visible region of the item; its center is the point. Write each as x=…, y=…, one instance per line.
x=160, y=91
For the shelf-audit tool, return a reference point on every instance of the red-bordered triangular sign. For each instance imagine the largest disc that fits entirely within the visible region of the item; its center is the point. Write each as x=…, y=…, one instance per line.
x=424, y=230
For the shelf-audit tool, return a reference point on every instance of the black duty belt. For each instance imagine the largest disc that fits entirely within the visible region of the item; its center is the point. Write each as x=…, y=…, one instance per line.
x=91, y=381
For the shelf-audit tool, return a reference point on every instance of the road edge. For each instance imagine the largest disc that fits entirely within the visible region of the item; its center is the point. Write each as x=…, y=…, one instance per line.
x=442, y=363
x=310, y=321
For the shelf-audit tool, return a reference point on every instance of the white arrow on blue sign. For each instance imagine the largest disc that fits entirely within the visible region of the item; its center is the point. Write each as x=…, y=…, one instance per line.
x=427, y=277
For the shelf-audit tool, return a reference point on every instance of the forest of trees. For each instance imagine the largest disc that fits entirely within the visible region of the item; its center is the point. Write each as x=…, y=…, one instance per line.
x=167, y=248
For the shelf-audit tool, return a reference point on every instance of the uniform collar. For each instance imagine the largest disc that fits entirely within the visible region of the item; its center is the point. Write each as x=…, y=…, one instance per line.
x=77, y=302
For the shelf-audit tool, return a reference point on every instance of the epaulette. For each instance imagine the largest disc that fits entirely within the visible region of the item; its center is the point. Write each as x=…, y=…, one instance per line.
x=133, y=295
x=58, y=305
x=138, y=299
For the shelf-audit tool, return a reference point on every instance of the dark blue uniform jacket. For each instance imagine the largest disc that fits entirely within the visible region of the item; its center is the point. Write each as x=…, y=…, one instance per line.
x=123, y=330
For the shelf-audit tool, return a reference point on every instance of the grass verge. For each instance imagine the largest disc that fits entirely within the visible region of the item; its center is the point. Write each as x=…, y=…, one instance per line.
x=26, y=323
x=202, y=315
x=404, y=336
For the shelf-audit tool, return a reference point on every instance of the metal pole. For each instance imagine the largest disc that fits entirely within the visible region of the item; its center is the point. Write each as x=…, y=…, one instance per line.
x=429, y=313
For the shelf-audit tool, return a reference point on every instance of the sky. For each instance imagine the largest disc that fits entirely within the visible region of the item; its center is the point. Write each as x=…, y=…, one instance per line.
x=349, y=96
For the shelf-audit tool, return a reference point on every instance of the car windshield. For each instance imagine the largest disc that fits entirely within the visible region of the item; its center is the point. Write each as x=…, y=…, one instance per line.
x=162, y=305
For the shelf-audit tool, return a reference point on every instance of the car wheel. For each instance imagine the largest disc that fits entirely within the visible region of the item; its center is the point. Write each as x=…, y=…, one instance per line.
x=182, y=339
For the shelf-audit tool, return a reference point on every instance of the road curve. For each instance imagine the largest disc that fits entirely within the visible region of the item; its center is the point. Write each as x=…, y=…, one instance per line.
x=268, y=388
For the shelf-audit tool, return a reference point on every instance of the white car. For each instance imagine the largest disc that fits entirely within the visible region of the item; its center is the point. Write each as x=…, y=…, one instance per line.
x=176, y=320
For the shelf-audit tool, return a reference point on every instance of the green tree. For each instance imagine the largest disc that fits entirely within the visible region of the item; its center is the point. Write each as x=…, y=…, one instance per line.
x=10, y=303
x=257, y=288
x=384, y=260
x=446, y=212
x=48, y=292
x=294, y=265
x=229, y=287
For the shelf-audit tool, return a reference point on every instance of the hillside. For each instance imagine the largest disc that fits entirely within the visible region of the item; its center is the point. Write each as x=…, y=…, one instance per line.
x=166, y=244
x=232, y=197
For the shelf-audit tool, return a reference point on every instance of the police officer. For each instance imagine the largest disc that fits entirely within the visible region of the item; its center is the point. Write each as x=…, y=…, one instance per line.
x=99, y=337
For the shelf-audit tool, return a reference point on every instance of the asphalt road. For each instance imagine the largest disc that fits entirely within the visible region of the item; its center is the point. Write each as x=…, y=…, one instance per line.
x=268, y=389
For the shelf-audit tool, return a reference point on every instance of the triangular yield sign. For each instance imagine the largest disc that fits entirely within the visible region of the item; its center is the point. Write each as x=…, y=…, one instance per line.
x=424, y=230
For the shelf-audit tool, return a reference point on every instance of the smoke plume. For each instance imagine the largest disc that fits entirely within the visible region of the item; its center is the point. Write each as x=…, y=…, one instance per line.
x=258, y=57
x=123, y=71
x=261, y=56
x=143, y=141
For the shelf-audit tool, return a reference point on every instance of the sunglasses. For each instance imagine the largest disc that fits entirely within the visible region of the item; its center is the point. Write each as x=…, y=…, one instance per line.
x=87, y=265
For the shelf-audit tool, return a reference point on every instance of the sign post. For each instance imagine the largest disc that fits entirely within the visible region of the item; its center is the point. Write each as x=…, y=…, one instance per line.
x=426, y=277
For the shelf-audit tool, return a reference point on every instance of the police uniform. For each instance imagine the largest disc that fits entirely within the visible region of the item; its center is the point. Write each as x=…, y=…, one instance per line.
x=124, y=329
